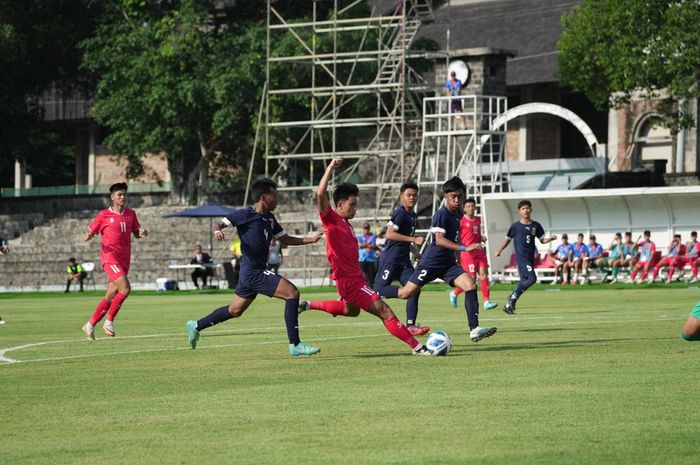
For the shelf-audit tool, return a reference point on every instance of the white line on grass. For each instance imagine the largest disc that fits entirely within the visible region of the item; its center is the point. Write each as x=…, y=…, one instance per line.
x=8, y=360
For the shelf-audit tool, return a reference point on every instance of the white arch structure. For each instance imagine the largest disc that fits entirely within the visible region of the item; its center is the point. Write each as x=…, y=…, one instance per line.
x=550, y=109
x=664, y=211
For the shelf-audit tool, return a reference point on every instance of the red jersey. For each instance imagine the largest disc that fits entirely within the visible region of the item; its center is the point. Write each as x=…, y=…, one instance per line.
x=470, y=230
x=341, y=246
x=116, y=230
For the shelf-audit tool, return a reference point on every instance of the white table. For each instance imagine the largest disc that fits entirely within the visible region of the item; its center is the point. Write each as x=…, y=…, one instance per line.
x=189, y=266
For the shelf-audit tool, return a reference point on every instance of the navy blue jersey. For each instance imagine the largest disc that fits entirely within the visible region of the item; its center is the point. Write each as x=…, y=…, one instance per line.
x=256, y=231
x=523, y=237
x=448, y=224
x=403, y=222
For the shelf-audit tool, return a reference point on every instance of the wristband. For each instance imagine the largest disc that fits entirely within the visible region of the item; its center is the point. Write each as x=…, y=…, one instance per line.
x=463, y=248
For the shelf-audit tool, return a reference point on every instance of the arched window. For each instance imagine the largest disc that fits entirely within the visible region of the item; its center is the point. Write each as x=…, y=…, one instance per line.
x=652, y=142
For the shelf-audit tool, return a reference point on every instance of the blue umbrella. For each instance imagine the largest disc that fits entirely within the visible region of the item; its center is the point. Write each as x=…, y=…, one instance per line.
x=210, y=210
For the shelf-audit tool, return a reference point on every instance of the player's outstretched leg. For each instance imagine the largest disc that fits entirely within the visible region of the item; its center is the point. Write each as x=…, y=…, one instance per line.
x=290, y=294
x=235, y=309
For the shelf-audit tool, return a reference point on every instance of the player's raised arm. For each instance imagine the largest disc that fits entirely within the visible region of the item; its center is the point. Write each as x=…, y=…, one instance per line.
x=546, y=240
x=393, y=235
x=503, y=247
x=321, y=198
x=217, y=230
x=293, y=240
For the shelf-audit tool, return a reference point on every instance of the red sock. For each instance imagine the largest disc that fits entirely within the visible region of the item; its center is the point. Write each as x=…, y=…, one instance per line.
x=485, y=293
x=645, y=273
x=334, y=307
x=100, y=311
x=655, y=273
x=457, y=291
x=399, y=331
x=116, y=305
x=634, y=272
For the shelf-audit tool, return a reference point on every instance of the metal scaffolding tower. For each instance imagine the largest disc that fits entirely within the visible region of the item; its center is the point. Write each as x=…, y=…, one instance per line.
x=346, y=69
x=463, y=136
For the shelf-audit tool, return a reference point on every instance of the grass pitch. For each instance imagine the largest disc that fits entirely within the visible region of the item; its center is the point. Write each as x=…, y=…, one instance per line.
x=576, y=377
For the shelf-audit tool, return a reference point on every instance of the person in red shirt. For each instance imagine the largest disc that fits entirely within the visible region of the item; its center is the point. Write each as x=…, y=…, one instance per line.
x=474, y=258
x=116, y=224
x=671, y=260
x=646, y=250
x=692, y=256
x=341, y=247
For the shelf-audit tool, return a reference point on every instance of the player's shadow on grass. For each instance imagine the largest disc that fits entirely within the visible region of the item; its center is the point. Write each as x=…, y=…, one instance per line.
x=537, y=330
x=554, y=344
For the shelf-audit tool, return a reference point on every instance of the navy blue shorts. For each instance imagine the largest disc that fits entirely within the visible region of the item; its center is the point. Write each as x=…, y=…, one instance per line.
x=257, y=281
x=526, y=270
x=387, y=273
x=424, y=275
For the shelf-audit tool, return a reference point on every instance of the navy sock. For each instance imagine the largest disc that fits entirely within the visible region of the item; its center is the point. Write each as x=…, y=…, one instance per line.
x=291, y=319
x=471, y=304
x=389, y=292
x=214, y=318
x=412, y=309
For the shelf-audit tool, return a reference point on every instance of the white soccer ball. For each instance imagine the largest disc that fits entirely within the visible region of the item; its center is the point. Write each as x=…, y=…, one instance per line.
x=438, y=343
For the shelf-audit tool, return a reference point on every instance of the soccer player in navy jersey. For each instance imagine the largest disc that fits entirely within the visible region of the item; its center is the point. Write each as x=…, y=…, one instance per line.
x=439, y=260
x=395, y=261
x=256, y=227
x=523, y=234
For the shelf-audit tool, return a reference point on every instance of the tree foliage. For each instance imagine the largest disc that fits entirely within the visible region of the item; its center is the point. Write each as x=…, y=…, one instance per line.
x=180, y=79
x=612, y=50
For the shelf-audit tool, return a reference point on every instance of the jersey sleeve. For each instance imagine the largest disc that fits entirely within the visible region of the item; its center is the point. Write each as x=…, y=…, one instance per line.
x=511, y=232
x=439, y=224
x=539, y=231
x=96, y=224
x=235, y=218
x=330, y=217
x=396, y=220
x=277, y=229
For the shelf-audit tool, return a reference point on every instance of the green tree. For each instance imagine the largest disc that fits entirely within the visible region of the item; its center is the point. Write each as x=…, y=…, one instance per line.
x=612, y=50
x=182, y=79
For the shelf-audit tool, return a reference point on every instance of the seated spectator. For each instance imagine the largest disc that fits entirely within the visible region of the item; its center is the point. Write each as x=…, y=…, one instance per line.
x=76, y=273
x=691, y=256
x=274, y=258
x=367, y=242
x=562, y=260
x=200, y=258
x=675, y=250
x=594, y=258
x=615, y=257
x=646, y=250
x=629, y=252
x=579, y=252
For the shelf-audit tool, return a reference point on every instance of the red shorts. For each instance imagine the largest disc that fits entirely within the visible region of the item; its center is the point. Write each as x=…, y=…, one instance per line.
x=356, y=291
x=472, y=261
x=114, y=270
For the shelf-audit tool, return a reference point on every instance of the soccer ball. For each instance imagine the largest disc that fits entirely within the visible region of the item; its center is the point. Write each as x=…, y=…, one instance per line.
x=438, y=343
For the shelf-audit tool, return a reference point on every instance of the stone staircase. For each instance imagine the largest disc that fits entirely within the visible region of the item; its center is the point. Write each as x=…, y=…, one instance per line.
x=39, y=254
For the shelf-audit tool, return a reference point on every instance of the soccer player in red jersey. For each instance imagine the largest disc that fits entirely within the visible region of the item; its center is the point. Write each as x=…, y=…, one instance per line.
x=646, y=250
x=474, y=258
x=692, y=255
x=341, y=246
x=116, y=224
x=671, y=260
